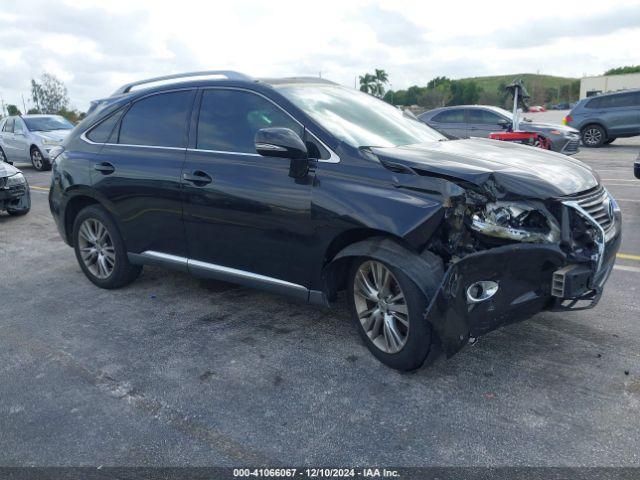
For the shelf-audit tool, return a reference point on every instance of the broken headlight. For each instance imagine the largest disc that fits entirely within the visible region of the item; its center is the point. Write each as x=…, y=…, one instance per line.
x=519, y=221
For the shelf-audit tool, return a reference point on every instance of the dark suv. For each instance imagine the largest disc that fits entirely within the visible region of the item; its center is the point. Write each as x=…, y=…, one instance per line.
x=604, y=118
x=307, y=188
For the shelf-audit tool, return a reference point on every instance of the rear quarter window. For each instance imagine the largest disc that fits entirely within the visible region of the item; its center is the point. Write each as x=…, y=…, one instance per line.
x=102, y=133
x=158, y=120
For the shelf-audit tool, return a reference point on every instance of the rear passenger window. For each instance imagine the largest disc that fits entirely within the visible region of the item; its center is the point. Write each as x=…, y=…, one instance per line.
x=159, y=120
x=229, y=120
x=102, y=132
x=450, y=116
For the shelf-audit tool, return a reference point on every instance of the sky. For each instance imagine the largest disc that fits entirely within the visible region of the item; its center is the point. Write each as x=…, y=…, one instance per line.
x=95, y=46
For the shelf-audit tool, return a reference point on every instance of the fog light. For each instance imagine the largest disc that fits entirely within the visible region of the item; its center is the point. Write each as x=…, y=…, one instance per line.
x=481, y=291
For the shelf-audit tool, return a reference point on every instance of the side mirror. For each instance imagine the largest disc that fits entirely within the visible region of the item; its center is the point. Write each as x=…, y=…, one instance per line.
x=504, y=123
x=280, y=142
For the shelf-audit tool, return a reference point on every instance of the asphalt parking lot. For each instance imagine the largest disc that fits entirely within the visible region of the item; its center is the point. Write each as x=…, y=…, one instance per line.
x=172, y=370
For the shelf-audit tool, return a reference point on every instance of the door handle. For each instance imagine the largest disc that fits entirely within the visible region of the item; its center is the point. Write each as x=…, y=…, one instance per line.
x=105, y=168
x=198, y=178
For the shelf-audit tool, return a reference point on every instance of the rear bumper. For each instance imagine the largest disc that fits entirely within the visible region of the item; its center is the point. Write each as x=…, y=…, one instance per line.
x=524, y=274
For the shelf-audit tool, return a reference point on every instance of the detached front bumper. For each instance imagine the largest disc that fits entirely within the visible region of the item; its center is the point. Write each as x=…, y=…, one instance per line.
x=524, y=274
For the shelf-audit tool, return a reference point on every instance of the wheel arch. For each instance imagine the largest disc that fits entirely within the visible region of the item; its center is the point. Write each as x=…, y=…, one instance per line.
x=425, y=269
x=73, y=207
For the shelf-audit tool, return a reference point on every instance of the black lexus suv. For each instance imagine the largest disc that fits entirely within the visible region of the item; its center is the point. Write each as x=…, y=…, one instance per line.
x=307, y=188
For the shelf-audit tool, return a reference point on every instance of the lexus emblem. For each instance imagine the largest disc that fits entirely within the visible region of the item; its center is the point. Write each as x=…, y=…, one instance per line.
x=608, y=205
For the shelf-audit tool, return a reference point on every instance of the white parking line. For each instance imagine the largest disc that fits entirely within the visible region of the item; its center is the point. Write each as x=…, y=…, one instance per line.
x=627, y=268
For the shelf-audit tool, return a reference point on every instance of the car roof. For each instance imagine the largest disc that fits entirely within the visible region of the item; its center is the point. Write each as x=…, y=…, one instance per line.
x=619, y=92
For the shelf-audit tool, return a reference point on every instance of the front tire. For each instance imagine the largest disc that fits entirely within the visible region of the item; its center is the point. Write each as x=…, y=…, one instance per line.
x=387, y=308
x=100, y=250
x=593, y=136
x=38, y=161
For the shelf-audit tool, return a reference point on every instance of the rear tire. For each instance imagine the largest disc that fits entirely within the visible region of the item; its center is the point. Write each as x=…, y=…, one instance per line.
x=593, y=136
x=412, y=333
x=100, y=249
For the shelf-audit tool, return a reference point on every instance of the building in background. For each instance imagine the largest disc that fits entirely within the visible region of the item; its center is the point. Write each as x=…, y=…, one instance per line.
x=590, y=86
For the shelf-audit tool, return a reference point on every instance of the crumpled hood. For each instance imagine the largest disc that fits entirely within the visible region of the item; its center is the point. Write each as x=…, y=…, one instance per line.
x=7, y=170
x=56, y=135
x=516, y=169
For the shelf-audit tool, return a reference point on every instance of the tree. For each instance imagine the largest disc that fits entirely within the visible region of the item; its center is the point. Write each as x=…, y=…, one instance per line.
x=366, y=83
x=464, y=92
x=374, y=84
x=50, y=95
x=74, y=116
x=623, y=70
x=13, y=110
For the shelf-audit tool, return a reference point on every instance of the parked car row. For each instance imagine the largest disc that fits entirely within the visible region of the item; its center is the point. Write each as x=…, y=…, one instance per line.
x=466, y=121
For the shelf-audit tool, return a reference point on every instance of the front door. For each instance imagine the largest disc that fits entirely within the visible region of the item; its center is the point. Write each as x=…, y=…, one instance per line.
x=20, y=141
x=138, y=171
x=482, y=122
x=242, y=211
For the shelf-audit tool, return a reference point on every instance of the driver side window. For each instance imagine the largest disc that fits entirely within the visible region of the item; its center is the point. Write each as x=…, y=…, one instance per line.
x=229, y=120
x=483, y=117
x=17, y=127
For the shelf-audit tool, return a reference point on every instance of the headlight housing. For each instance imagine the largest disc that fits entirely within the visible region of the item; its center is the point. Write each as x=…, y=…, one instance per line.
x=518, y=221
x=15, y=180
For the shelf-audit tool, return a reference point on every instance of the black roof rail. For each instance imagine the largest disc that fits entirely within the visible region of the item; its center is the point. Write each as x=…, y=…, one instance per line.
x=228, y=74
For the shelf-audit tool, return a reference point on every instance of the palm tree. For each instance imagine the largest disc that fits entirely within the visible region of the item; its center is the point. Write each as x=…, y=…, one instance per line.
x=367, y=84
x=381, y=79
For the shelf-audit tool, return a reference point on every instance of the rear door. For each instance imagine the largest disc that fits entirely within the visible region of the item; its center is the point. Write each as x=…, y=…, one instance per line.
x=482, y=122
x=451, y=121
x=621, y=113
x=138, y=170
x=246, y=213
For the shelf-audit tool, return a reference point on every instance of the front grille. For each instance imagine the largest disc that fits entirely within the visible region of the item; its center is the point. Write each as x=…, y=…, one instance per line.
x=596, y=203
x=571, y=146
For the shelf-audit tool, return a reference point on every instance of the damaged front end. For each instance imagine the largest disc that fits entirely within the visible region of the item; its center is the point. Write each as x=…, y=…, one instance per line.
x=511, y=258
x=510, y=255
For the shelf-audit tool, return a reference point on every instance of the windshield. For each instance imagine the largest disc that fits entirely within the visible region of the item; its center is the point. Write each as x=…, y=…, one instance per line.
x=357, y=118
x=47, y=124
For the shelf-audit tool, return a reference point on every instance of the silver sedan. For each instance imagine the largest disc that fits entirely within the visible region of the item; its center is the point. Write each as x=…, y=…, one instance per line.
x=31, y=138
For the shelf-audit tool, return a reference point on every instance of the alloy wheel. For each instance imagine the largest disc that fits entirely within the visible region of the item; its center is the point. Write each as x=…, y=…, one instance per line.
x=381, y=306
x=592, y=136
x=36, y=159
x=96, y=248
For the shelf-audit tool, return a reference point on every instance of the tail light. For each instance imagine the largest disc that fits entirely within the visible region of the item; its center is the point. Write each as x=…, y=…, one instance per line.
x=566, y=120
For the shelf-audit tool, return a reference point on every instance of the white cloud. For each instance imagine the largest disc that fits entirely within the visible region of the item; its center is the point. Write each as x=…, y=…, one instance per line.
x=94, y=45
